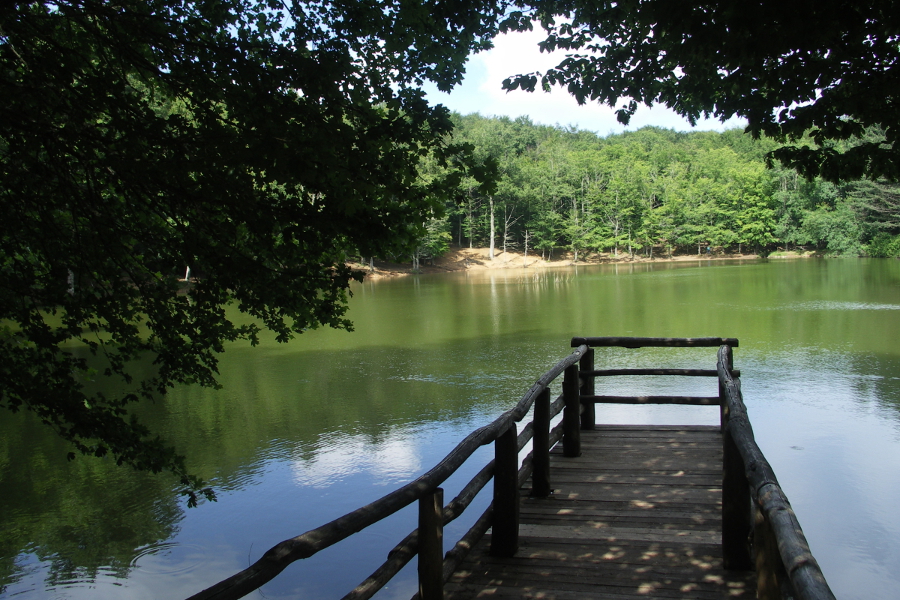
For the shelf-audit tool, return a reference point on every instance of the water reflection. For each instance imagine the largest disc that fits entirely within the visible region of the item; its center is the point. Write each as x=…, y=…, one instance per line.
x=304, y=433
x=393, y=460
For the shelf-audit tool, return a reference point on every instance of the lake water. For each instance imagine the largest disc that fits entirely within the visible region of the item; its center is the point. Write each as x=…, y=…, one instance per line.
x=303, y=433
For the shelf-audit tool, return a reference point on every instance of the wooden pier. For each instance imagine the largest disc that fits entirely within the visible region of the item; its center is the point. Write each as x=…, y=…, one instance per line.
x=637, y=515
x=592, y=511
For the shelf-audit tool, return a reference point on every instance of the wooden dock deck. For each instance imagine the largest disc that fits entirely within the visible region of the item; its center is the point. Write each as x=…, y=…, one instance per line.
x=637, y=515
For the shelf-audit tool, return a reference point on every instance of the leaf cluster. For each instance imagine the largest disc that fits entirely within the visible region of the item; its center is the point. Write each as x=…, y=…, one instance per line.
x=825, y=69
x=253, y=142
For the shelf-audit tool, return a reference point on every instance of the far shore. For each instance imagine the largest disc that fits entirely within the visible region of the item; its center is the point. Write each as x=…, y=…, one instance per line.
x=474, y=259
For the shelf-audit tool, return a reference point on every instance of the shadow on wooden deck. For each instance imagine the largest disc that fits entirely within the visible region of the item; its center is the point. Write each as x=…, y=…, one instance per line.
x=638, y=515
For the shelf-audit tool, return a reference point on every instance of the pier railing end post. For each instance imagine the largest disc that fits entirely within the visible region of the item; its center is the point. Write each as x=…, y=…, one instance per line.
x=540, y=477
x=586, y=365
x=571, y=413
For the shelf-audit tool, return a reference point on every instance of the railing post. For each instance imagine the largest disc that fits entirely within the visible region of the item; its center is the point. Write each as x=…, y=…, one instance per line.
x=571, y=413
x=736, y=510
x=723, y=404
x=540, y=476
x=586, y=364
x=505, y=525
x=431, y=546
x=737, y=514
x=772, y=582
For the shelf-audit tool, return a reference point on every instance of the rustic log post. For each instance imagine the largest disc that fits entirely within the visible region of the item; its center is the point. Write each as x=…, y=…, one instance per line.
x=737, y=517
x=586, y=365
x=431, y=546
x=540, y=476
x=772, y=582
x=571, y=413
x=723, y=404
x=736, y=510
x=505, y=526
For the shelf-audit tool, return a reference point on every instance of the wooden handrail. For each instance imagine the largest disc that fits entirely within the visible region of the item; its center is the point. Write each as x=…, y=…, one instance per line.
x=277, y=558
x=775, y=515
x=648, y=342
x=681, y=372
x=690, y=400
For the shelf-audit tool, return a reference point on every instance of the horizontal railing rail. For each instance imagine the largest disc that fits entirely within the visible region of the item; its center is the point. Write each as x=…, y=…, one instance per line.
x=650, y=342
x=425, y=541
x=634, y=372
x=588, y=373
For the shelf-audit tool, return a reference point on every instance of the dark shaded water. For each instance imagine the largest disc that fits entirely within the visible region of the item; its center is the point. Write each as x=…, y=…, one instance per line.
x=303, y=433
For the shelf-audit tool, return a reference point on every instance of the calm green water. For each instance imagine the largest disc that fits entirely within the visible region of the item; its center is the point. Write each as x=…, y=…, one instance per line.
x=303, y=433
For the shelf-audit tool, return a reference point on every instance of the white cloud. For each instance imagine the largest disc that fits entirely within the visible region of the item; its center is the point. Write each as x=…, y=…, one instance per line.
x=518, y=53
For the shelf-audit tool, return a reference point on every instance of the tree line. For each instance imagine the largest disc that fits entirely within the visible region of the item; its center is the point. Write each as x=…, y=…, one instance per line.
x=653, y=191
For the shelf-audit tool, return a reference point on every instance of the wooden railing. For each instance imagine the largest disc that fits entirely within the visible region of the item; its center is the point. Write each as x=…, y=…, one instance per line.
x=759, y=528
x=426, y=540
x=757, y=519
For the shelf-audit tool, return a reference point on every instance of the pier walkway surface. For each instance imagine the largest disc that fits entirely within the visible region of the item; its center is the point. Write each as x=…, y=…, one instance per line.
x=637, y=515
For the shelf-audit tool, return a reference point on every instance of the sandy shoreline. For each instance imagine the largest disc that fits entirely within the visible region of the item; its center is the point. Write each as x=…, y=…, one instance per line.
x=472, y=259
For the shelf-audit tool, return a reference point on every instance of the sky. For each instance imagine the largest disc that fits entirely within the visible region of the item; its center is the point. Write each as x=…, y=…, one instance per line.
x=517, y=53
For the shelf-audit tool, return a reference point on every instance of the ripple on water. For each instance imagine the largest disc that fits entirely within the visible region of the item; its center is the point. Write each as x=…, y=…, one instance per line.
x=168, y=558
x=835, y=305
x=65, y=589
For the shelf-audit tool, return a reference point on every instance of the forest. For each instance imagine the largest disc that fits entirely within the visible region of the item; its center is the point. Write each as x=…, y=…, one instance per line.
x=653, y=192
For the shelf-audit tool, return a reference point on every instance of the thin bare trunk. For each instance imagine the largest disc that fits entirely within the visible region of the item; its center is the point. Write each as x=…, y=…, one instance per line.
x=491, y=199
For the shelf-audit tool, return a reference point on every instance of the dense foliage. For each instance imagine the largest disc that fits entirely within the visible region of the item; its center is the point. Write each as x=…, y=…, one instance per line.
x=657, y=191
x=251, y=142
x=825, y=69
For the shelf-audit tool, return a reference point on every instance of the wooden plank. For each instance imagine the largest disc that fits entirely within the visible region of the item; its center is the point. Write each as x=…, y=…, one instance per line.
x=591, y=530
x=637, y=515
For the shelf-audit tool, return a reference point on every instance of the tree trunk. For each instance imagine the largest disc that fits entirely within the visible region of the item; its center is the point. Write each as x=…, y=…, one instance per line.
x=525, y=257
x=491, y=199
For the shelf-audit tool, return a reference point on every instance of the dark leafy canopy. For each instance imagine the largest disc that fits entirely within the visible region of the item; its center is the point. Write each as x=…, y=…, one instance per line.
x=826, y=68
x=252, y=141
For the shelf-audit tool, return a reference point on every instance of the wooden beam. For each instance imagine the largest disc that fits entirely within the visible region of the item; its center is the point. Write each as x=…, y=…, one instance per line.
x=431, y=546
x=571, y=413
x=540, y=479
x=691, y=400
x=645, y=342
x=681, y=372
x=505, y=526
